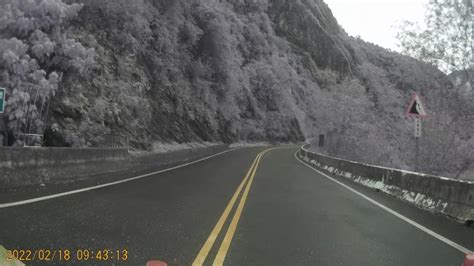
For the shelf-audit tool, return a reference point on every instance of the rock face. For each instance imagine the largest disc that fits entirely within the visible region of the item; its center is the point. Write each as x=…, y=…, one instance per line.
x=202, y=70
x=312, y=30
x=205, y=70
x=188, y=70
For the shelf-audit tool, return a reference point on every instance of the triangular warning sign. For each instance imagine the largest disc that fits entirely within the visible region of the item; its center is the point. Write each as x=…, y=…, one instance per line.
x=416, y=108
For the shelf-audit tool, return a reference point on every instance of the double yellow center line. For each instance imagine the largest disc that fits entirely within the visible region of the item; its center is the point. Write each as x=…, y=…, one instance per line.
x=222, y=252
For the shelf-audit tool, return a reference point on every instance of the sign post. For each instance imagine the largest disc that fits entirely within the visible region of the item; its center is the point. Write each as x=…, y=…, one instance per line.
x=416, y=110
x=2, y=100
x=417, y=127
x=417, y=142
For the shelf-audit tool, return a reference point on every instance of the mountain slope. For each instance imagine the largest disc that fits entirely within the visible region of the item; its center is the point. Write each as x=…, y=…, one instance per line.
x=224, y=71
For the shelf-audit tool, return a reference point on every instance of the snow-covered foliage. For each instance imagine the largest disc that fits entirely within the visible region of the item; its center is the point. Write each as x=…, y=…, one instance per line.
x=385, y=136
x=445, y=39
x=230, y=71
x=34, y=54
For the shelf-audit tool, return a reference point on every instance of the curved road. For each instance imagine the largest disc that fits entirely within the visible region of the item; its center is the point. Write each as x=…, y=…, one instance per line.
x=250, y=206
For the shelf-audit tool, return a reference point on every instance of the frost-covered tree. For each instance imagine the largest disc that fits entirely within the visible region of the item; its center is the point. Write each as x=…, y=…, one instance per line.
x=34, y=54
x=446, y=39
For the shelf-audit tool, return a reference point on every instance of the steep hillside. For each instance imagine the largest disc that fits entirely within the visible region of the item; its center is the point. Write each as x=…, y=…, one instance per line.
x=209, y=70
x=229, y=70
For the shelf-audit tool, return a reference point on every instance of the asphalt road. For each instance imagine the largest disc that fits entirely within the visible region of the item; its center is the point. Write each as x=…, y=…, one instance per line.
x=223, y=210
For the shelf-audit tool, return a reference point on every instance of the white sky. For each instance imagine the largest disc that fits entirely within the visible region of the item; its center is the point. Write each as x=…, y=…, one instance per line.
x=376, y=21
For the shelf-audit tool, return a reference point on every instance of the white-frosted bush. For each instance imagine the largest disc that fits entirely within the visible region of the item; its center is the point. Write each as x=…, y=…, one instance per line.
x=34, y=54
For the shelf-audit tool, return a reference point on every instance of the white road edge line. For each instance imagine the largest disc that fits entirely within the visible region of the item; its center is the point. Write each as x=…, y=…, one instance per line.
x=404, y=218
x=23, y=202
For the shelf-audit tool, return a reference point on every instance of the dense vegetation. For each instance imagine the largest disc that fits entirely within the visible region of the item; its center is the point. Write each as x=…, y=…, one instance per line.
x=222, y=70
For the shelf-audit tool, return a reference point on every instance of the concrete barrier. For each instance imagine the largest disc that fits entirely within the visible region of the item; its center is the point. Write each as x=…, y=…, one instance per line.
x=19, y=157
x=451, y=197
x=21, y=167
x=30, y=166
x=179, y=155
